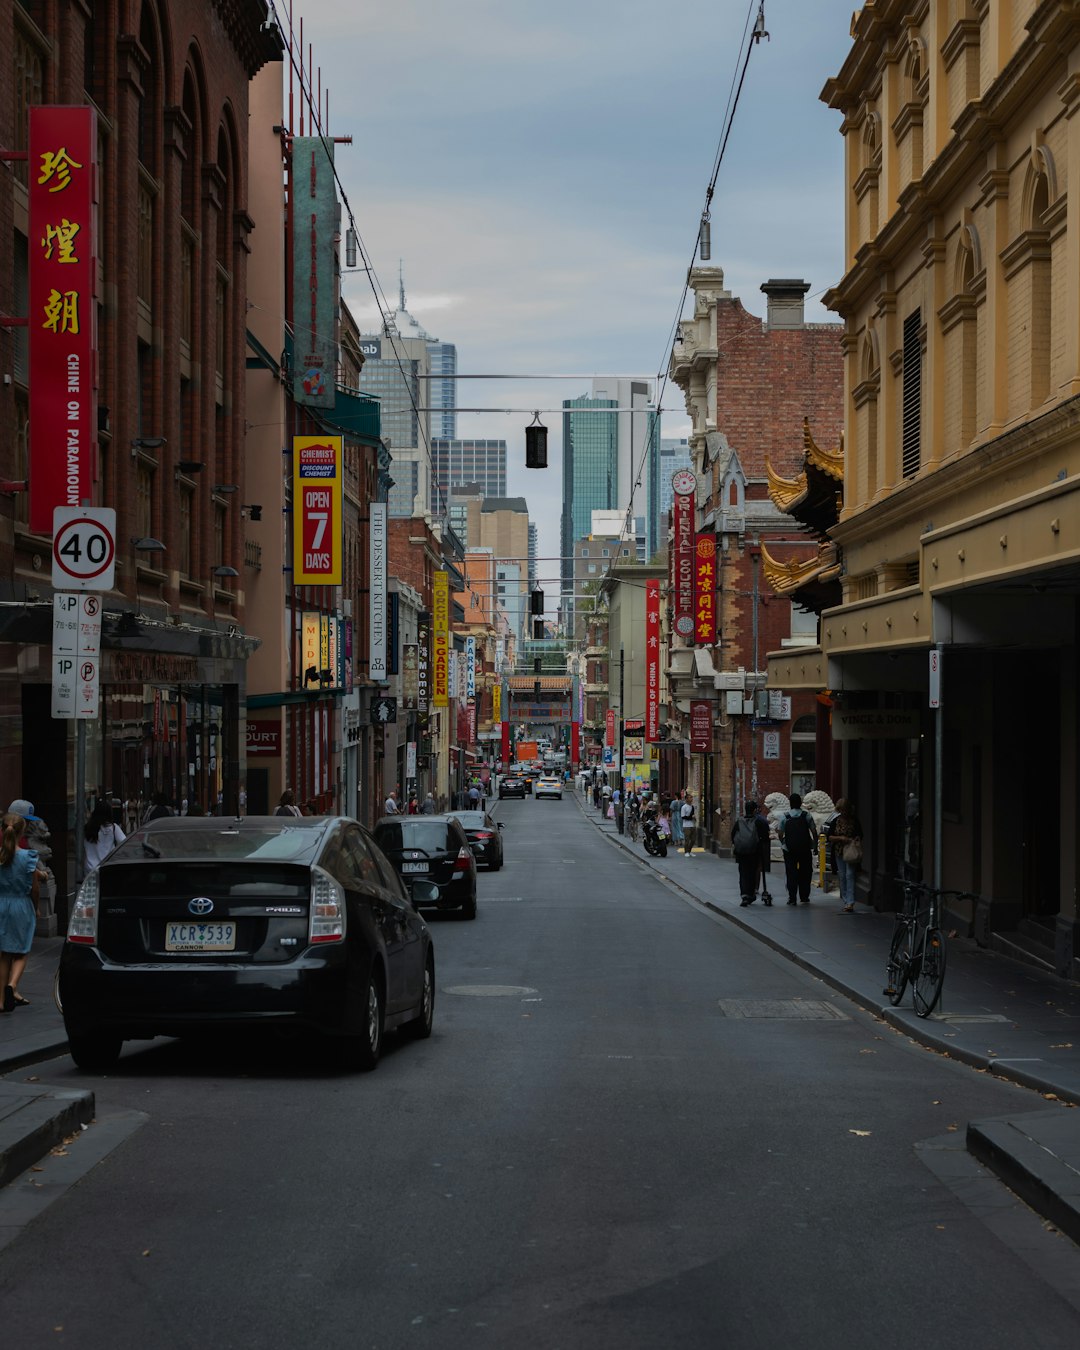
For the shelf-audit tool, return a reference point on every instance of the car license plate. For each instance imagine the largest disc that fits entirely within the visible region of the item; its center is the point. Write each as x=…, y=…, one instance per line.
x=200, y=937
x=414, y=867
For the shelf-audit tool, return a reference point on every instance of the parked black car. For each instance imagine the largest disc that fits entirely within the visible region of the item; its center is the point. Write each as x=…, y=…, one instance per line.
x=484, y=838
x=433, y=849
x=194, y=924
x=513, y=787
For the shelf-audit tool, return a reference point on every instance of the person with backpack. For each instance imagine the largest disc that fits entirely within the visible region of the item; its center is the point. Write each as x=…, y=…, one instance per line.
x=750, y=843
x=798, y=839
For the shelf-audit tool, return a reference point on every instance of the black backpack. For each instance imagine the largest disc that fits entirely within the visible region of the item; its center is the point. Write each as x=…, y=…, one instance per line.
x=745, y=839
x=799, y=834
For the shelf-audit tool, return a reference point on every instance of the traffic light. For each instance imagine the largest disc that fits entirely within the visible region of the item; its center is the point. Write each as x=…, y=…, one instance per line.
x=536, y=602
x=538, y=630
x=536, y=444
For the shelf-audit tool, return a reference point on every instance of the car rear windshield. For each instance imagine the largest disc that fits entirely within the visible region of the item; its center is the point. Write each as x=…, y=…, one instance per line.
x=220, y=843
x=428, y=835
x=472, y=820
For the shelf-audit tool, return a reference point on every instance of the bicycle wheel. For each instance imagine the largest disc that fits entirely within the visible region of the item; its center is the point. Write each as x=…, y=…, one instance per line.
x=930, y=973
x=898, y=966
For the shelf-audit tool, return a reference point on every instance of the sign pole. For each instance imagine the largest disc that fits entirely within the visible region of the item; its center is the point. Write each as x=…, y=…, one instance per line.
x=80, y=796
x=937, y=702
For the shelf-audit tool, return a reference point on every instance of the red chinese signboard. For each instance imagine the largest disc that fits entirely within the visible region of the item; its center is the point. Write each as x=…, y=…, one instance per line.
x=700, y=726
x=62, y=311
x=705, y=590
x=609, y=727
x=652, y=660
x=683, y=526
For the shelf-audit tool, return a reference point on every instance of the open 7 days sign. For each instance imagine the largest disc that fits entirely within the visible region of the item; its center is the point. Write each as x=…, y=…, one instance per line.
x=317, y=521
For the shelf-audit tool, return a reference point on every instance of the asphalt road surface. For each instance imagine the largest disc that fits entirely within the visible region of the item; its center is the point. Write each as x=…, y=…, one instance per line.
x=633, y=1127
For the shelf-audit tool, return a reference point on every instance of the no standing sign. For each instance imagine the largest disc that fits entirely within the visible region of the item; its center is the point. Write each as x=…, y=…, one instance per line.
x=84, y=548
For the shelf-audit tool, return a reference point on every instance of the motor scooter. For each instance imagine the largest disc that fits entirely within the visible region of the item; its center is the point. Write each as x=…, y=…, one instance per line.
x=653, y=837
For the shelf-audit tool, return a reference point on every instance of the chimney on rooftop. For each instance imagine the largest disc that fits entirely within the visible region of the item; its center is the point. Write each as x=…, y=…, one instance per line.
x=785, y=301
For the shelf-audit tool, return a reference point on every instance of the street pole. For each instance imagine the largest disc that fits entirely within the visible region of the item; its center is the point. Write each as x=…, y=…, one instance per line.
x=80, y=797
x=754, y=553
x=939, y=765
x=622, y=733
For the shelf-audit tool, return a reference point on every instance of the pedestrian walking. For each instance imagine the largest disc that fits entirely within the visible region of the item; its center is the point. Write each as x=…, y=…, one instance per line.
x=413, y=809
x=36, y=837
x=20, y=880
x=798, y=839
x=845, y=835
x=676, y=819
x=620, y=810
x=749, y=838
x=596, y=795
x=688, y=817
x=474, y=797
x=390, y=806
x=428, y=808
x=158, y=809
x=101, y=835
x=766, y=858
x=287, y=804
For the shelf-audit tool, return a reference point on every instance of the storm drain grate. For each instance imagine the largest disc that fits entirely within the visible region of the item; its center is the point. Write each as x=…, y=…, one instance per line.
x=781, y=1009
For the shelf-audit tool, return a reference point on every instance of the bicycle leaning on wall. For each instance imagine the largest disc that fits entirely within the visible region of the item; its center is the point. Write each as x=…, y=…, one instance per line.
x=917, y=954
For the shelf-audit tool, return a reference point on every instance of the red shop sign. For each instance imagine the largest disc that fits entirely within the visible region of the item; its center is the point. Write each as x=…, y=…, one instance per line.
x=705, y=590
x=62, y=309
x=700, y=726
x=683, y=527
x=652, y=660
x=609, y=727
x=263, y=737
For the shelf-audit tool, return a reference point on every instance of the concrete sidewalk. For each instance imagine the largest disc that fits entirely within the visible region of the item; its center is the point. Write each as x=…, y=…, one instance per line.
x=995, y=1013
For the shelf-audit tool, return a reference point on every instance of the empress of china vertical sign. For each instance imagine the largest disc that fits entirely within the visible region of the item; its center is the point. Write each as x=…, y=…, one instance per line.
x=62, y=314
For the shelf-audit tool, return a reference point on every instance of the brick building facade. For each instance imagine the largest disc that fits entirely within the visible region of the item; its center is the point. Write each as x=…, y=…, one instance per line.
x=169, y=82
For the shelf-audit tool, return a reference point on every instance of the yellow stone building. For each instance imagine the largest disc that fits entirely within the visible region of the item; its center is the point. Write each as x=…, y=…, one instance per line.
x=959, y=532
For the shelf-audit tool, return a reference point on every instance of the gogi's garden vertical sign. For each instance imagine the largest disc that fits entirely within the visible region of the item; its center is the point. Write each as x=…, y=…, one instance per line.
x=62, y=313
x=317, y=521
x=315, y=222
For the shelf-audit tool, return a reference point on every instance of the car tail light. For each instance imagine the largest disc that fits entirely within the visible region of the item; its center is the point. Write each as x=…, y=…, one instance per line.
x=465, y=857
x=84, y=915
x=482, y=834
x=327, y=918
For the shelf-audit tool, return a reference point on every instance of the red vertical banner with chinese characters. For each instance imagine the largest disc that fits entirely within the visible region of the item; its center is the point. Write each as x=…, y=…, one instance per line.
x=609, y=727
x=683, y=528
x=62, y=310
x=652, y=660
x=705, y=590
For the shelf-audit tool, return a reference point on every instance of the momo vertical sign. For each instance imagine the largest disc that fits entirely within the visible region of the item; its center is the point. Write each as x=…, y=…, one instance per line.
x=652, y=659
x=317, y=518
x=62, y=309
x=315, y=222
x=377, y=665
x=440, y=641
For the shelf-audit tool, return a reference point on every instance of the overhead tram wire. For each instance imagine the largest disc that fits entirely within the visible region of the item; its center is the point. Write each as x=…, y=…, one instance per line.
x=662, y=375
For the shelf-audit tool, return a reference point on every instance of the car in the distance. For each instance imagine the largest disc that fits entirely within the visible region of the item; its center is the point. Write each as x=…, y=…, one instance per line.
x=513, y=785
x=202, y=924
x=432, y=849
x=485, y=840
x=547, y=785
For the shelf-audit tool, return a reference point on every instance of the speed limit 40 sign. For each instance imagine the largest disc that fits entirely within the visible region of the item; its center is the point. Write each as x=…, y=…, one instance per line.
x=84, y=548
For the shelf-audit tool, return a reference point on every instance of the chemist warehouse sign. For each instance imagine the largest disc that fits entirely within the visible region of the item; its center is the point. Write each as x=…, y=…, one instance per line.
x=317, y=525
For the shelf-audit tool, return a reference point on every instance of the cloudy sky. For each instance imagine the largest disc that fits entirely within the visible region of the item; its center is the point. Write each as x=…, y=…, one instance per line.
x=540, y=170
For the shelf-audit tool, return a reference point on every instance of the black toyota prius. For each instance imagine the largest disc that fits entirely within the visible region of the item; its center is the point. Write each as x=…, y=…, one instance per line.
x=198, y=924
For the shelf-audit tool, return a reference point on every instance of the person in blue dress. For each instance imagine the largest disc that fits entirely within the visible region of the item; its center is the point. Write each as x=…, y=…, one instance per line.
x=19, y=881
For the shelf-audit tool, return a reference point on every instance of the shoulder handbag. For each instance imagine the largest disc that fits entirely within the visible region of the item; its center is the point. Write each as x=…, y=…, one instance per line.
x=852, y=851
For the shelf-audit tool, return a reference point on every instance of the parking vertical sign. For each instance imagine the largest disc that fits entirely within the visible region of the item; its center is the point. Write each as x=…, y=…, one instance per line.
x=76, y=682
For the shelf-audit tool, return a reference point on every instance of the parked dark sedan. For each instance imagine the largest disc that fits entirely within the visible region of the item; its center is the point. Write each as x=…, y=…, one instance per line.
x=195, y=924
x=433, y=849
x=484, y=838
x=513, y=787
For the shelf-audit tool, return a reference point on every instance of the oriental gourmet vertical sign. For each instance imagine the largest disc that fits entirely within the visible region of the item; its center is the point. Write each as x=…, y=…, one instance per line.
x=62, y=310
x=652, y=660
x=683, y=484
x=705, y=590
x=440, y=640
x=315, y=223
x=318, y=463
x=377, y=594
